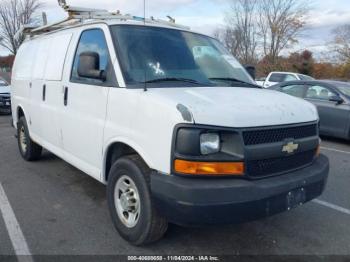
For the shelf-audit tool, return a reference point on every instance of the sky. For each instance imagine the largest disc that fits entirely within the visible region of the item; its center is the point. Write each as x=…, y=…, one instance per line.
x=207, y=15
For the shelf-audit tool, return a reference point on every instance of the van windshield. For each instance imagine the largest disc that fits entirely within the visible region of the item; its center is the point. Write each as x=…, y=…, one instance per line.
x=165, y=57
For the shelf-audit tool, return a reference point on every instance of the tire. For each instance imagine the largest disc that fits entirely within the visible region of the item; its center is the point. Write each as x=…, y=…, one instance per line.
x=30, y=151
x=148, y=225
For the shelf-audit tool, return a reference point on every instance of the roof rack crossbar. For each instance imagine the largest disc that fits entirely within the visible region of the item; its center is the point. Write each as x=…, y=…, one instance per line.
x=80, y=14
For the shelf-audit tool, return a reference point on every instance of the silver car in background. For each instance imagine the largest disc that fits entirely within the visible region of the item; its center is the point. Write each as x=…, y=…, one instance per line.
x=332, y=99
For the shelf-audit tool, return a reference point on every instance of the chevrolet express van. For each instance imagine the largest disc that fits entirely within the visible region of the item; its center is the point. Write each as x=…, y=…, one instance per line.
x=169, y=120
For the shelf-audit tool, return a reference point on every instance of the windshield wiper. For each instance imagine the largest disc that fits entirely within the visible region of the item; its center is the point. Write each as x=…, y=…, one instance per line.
x=231, y=79
x=176, y=79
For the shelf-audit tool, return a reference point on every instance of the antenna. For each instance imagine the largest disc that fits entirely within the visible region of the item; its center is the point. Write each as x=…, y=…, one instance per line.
x=144, y=21
x=44, y=18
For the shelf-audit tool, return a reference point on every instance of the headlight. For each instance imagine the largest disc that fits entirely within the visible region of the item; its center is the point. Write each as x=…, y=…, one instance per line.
x=209, y=143
x=207, y=151
x=204, y=143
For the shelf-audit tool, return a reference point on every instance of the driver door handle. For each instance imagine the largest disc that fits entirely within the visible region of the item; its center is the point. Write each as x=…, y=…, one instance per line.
x=44, y=92
x=65, y=97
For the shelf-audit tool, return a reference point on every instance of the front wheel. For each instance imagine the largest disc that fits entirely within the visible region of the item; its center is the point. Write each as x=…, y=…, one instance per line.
x=29, y=150
x=130, y=202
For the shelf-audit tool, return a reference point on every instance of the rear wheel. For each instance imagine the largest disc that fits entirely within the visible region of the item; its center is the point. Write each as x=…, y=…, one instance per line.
x=130, y=202
x=29, y=150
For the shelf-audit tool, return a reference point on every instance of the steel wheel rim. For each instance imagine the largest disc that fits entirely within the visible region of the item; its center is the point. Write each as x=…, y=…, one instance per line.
x=23, y=139
x=127, y=201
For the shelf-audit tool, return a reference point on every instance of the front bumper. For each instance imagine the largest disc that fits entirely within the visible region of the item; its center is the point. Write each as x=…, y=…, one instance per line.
x=5, y=107
x=200, y=201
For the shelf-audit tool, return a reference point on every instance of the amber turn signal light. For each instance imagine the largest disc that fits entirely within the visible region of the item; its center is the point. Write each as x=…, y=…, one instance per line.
x=209, y=168
x=318, y=151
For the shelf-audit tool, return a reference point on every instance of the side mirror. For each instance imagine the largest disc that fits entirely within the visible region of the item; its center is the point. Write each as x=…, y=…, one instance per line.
x=337, y=99
x=89, y=66
x=251, y=71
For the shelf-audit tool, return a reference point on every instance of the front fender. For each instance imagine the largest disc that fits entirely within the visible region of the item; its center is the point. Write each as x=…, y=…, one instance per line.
x=137, y=148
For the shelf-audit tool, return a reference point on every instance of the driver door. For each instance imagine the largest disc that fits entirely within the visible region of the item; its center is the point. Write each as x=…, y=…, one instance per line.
x=84, y=102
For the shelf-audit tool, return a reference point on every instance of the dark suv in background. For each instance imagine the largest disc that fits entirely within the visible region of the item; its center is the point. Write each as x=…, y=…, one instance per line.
x=5, y=97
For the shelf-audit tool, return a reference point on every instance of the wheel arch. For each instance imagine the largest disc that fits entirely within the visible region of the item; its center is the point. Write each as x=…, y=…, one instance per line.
x=117, y=149
x=19, y=113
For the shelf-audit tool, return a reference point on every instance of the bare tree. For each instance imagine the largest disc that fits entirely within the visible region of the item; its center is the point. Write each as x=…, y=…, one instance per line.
x=13, y=15
x=280, y=23
x=239, y=35
x=242, y=18
x=341, y=43
x=230, y=37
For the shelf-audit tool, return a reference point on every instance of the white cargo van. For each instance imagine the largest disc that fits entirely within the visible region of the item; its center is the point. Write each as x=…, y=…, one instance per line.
x=168, y=120
x=278, y=77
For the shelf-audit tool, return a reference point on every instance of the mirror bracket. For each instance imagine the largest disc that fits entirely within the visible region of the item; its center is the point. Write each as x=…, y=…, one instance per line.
x=251, y=71
x=337, y=99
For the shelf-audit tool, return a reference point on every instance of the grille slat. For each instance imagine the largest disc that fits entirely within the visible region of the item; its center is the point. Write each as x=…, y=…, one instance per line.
x=255, y=137
x=265, y=167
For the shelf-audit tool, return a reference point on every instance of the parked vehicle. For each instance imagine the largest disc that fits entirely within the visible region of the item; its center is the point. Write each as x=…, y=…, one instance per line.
x=278, y=77
x=332, y=99
x=5, y=97
x=168, y=120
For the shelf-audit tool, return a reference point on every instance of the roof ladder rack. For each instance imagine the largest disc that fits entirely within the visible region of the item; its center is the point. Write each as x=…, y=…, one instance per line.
x=78, y=15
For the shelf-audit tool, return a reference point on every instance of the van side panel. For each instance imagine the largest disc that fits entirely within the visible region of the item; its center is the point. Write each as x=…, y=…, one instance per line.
x=51, y=106
x=57, y=56
x=36, y=95
x=21, y=80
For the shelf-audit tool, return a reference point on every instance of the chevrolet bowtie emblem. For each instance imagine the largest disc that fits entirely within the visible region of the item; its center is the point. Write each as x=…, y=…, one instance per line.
x=290, y=147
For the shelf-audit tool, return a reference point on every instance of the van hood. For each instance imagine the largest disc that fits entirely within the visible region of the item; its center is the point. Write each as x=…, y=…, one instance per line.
x=237, y=106
x=5, y=89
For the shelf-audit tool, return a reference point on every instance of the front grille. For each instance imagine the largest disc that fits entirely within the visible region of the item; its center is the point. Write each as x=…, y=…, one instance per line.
x=255, y=137
x=5, y=103
x=5, y=97
x=266, y=167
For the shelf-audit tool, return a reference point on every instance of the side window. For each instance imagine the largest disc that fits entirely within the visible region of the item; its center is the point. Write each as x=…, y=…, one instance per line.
x=319, y=92
x=93, y=40
x=278, y=78
x=290, y=78
x=294, y=90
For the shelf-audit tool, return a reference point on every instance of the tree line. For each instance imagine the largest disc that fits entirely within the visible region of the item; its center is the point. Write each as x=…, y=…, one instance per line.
x=258, y=32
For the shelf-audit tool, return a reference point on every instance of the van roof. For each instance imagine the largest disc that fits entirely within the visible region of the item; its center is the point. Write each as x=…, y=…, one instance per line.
x=78, y=17
x=109, y=23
